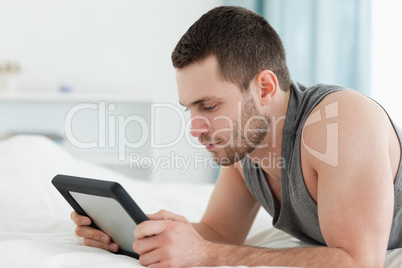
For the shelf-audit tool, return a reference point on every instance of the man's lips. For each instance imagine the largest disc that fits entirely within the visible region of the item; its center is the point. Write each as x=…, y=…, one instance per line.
x=209, y=146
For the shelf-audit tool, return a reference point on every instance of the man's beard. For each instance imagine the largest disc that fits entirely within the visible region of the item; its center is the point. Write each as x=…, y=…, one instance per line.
x=243, y=141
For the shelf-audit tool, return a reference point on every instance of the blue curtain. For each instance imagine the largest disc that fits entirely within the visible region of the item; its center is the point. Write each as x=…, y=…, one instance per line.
x=326, y=41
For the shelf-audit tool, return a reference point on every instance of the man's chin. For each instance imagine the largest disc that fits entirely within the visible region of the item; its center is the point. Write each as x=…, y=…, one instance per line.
x=224, y=161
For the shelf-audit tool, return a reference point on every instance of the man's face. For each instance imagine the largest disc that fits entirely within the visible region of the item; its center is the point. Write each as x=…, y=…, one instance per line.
x=226, y=122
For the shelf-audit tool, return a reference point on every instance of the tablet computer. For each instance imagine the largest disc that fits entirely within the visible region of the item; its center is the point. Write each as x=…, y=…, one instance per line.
x=110, y=207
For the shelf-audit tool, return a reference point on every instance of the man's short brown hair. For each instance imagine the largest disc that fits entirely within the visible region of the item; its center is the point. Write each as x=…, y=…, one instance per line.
x=242, y=41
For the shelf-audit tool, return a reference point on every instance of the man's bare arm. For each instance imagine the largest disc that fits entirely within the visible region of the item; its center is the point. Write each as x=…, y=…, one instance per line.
x=232, y=255
x=208, y=233
x=231, y=209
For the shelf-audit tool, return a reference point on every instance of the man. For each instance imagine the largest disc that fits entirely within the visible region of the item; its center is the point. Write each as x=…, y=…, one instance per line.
x=336, y=155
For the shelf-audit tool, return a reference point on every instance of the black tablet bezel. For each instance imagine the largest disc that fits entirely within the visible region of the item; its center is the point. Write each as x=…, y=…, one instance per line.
x=65, y=183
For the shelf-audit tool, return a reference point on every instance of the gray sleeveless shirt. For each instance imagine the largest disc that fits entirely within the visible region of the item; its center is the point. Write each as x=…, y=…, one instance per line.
x=298, y=215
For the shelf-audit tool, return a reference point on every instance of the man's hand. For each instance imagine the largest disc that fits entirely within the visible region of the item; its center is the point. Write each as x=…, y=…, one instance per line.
x=169, y=240
x=92, y=237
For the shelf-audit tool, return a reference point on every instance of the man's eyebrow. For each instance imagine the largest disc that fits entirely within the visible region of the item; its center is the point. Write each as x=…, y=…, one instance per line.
x=204, y=99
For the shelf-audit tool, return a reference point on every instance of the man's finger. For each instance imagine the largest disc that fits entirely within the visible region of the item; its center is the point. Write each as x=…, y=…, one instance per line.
x=79, y=219
x=151, y=259
x=147, y=244
x=149, y=228
x=97, y=244
x=92, y=233
x=166, y=215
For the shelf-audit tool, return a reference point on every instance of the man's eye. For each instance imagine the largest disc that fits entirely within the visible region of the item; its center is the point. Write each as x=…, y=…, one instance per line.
x=186, y=110
x=209, y=108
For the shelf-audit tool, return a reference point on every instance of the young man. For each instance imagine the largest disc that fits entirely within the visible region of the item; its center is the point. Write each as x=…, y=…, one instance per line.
x=323, y=160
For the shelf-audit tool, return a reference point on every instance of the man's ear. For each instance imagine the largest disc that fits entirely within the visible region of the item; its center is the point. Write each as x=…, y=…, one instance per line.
x=267, y=84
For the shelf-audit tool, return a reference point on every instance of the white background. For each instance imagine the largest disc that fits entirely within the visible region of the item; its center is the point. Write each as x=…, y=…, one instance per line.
x=387, y=56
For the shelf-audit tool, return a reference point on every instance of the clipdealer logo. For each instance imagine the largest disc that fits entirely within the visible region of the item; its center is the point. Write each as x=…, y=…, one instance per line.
x=111, y=128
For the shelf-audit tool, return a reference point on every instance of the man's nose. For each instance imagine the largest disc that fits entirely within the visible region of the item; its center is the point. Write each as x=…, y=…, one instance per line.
x=199, y=126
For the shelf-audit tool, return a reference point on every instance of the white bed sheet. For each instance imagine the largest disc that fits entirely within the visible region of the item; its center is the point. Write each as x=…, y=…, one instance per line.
x=35, y=228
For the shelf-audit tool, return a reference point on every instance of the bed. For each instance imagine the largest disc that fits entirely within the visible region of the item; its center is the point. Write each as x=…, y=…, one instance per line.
x=35, y=225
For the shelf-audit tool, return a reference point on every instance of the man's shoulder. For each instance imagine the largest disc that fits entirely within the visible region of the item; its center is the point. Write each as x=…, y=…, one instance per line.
x=344, y=105
x=338, y=119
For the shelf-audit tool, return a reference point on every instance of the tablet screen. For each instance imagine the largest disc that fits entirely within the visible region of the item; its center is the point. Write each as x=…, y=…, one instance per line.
x=110, y=217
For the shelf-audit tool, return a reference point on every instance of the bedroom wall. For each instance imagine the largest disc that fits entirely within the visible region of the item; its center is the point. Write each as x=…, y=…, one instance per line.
x=119, y=48
x=387, y=56
x=96, y=45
